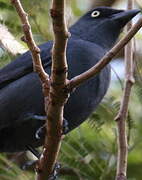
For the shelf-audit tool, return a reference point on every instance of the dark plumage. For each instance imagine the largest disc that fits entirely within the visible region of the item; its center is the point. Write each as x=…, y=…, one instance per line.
x=20, y=89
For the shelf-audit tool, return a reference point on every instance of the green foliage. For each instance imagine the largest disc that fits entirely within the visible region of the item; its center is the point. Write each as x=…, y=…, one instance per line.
x=87, y=151
x=9, y=171
x=5, y=58
x=38, y=13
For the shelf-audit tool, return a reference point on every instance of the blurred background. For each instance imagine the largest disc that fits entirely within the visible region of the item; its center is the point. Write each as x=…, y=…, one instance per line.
x=88, y=152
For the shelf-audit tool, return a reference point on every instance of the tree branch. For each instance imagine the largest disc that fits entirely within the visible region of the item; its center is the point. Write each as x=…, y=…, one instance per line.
x=123, y=112
x=76, y=81
x=57, y=95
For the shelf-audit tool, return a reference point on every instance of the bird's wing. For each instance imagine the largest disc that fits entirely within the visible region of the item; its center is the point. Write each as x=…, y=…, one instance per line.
x=23, y=65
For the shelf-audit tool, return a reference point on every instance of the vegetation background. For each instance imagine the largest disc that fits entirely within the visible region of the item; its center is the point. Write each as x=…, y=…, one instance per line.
x=88, y=152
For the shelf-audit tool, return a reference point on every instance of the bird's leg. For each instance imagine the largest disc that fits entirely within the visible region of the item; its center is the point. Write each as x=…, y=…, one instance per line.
x=40, y=133
x=56, y=169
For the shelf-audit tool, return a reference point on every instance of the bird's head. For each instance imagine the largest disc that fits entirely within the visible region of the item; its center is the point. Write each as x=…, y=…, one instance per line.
x=102, y=25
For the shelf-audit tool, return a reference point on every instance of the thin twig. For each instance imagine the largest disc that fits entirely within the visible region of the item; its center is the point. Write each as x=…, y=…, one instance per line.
x=123, y=112
x=35, y=51
x=28, y=38
x=76, y=81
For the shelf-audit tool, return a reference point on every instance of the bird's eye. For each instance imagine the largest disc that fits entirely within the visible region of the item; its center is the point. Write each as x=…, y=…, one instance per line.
x=95, y=13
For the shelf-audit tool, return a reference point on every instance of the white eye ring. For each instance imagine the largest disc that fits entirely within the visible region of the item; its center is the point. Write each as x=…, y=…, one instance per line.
x=95, y=13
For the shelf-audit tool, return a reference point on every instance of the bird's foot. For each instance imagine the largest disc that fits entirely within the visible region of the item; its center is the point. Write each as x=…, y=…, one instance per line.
x=36, y=117
x=65, y=126
x=55, y=172
x=32, y=164
x=40, y=133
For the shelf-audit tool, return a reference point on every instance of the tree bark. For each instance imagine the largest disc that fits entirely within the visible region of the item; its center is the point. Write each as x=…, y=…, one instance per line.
x=121, y=173
x=57, y=95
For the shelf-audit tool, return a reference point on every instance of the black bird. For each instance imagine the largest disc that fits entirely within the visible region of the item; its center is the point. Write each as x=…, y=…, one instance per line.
x=21, y=99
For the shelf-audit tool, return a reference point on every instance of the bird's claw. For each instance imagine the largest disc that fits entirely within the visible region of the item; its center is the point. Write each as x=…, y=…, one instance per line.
x=65, y=126
x=40, y=133
x=55, y=173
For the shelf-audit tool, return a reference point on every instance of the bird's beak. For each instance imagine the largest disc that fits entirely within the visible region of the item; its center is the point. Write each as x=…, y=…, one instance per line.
x=124, y=16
